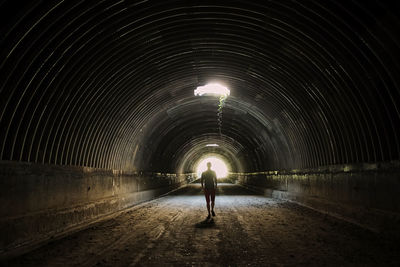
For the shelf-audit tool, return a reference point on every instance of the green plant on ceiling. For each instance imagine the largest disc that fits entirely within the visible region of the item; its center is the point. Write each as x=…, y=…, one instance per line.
x=216, y=90
x=221, y=104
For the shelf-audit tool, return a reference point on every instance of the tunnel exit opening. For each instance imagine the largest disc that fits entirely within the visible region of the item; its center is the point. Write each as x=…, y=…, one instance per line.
x=217, y=164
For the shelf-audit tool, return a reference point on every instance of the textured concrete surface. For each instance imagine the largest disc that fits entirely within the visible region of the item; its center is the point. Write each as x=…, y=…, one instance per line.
x=38, y=202
x=365, y=194
x=249, y=230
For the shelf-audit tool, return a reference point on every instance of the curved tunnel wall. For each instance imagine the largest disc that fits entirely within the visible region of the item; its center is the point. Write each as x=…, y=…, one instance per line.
x=97, y=110
x=86, y=83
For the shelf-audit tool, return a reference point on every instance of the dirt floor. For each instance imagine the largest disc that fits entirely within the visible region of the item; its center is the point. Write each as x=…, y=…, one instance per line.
x=248, y=230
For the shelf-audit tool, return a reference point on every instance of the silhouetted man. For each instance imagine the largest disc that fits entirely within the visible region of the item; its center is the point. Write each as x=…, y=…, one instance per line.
x=209, y=184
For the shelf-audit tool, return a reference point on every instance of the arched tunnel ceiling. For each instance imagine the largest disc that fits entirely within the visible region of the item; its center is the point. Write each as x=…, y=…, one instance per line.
x=109, y=84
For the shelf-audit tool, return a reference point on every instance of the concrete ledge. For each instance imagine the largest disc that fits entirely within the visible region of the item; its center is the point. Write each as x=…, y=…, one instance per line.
x=22, y=233
x=364, y=194
x=40, y=202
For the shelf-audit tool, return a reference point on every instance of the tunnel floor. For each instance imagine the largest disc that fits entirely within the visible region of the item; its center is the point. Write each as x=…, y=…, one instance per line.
x=249, y=229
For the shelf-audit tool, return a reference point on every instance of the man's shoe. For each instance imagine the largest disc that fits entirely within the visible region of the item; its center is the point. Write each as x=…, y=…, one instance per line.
x=213, y=213
x=208, y=217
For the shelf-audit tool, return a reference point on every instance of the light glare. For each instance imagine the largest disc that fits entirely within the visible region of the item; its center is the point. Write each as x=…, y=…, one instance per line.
x=212, y=145
x=212, y=89
x=217, y=165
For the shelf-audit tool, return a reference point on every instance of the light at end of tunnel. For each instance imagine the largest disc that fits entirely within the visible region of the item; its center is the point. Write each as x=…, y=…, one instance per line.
x=212, y=145
x=212, y=89
x=217, y=165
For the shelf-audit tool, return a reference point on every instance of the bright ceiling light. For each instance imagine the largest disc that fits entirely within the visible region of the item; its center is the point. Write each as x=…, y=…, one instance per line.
x=217, y=165
x=212, y=145
x=212, y=89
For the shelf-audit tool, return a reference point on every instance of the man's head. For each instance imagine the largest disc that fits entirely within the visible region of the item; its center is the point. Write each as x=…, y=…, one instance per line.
x=209, y=165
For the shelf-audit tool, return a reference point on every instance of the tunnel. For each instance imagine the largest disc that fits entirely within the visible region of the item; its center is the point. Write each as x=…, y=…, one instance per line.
x=99, y=118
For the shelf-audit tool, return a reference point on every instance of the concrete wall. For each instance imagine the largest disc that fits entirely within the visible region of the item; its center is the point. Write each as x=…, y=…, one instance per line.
x=38, y=202
x=365, y=194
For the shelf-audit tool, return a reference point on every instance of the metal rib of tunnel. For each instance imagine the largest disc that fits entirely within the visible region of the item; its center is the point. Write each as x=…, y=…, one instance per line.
x=109, y=84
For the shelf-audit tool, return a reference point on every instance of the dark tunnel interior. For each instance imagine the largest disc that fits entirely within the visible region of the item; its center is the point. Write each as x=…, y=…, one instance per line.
x=110, y=84
x=105, y=89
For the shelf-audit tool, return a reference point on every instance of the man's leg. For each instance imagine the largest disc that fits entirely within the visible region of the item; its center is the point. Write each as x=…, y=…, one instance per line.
x=212, y=202
x=207, y=195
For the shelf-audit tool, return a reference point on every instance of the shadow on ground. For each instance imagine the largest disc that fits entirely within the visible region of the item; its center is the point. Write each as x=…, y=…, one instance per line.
x=207, y=223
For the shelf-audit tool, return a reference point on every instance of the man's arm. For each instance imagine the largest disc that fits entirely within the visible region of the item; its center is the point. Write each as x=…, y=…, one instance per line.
x=215, y=179
x=201, y=181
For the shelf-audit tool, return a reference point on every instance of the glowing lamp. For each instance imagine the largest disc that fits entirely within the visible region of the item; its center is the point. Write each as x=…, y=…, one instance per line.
x=212, y=145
